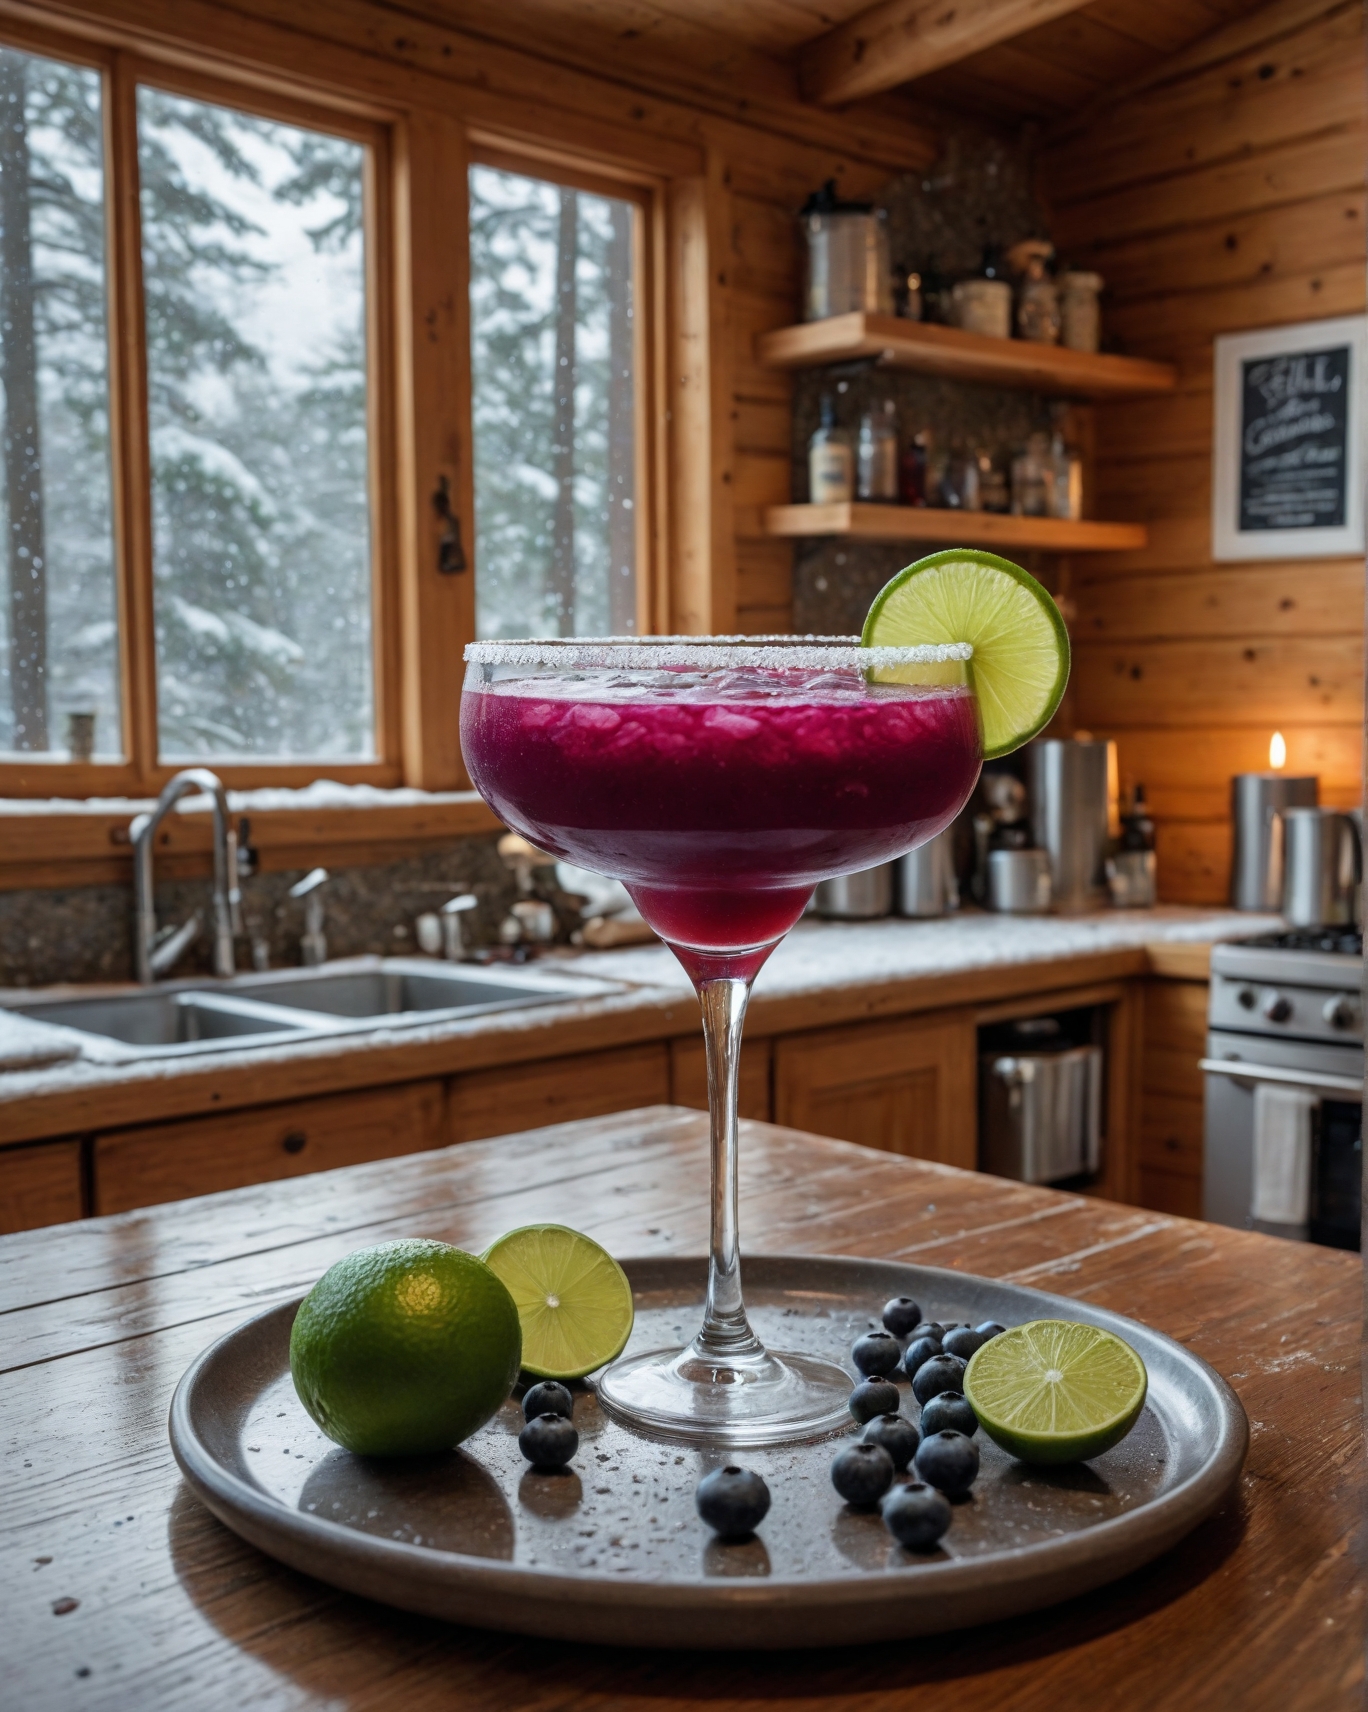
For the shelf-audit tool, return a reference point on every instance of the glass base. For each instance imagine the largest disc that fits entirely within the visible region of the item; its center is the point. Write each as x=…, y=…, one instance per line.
x=771, y=1397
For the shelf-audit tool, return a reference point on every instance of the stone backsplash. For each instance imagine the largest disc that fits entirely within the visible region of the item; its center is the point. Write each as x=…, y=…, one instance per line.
x=86, y=933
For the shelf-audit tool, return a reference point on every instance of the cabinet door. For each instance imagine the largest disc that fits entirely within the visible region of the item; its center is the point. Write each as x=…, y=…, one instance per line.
x=689, y=1077
x=1172, y=1110
x=39, y=1185
x=525, y=1096
x=906, y=1087
x=197, y=1156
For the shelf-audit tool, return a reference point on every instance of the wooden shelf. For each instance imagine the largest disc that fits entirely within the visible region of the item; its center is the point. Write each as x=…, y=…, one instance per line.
x=953, y=528
x=948, y=351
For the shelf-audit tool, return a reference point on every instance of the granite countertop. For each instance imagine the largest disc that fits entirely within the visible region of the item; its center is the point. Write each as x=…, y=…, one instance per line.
x=877, y=965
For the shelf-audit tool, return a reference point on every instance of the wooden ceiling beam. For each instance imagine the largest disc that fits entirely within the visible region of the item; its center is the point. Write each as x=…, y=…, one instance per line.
x=898, y=40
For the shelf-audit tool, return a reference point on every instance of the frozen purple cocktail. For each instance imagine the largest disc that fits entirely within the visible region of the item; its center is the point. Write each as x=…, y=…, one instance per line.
x=721, y=797
x=721, y=781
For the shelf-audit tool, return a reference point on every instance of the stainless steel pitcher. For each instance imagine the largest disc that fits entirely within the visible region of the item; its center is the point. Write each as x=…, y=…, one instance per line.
x=1322, y=867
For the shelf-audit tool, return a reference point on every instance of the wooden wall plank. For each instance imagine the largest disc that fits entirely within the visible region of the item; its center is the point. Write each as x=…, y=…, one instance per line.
x=1318, y=597
x=1259, y=681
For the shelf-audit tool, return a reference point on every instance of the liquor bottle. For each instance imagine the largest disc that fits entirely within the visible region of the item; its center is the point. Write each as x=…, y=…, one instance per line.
x=1065, y=479
x=830, y=466
x=912, y=470
x=876, y=454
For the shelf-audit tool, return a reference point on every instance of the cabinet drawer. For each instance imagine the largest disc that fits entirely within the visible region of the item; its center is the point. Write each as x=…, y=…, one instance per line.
x=689, y=1077
x=1171, y=1134
x=524, y=1096
x=39, y=1185
x=198, y=1156
x=903, y=1087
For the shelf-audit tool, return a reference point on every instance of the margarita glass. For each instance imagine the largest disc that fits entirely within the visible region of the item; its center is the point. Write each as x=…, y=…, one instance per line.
x=721, y=779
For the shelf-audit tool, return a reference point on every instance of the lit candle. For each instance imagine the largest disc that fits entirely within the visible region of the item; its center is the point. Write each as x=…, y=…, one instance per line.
x=1277, y=752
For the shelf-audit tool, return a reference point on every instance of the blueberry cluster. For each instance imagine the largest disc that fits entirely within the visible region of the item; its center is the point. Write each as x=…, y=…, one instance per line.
x=940, y=1452
x=549, y=1439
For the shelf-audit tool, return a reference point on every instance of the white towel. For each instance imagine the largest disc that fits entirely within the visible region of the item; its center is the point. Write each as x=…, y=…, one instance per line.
x=1282, y=1154
x=26, y=1044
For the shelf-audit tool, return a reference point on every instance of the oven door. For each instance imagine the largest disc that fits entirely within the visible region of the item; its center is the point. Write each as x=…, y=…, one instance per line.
x=1235, y=1065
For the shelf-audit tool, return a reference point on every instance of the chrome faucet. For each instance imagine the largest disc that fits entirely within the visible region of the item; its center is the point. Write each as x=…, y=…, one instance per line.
x=313, y=942
x=152, y=956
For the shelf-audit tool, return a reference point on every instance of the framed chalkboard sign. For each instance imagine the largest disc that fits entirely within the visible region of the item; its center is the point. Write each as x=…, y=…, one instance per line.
x=1289, y=449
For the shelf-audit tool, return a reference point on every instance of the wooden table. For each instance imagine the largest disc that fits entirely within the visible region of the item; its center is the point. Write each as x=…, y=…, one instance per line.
x=117, y=1590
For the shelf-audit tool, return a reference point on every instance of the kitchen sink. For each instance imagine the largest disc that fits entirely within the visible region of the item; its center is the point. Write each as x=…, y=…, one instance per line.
x=281, y=1006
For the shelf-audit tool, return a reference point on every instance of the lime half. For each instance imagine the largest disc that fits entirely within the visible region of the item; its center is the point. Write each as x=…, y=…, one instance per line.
x=1021, y=648
x=572, y=1297
x=1055, y=1390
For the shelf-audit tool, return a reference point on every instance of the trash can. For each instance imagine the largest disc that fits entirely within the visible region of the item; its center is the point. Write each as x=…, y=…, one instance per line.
x=1040, y=1106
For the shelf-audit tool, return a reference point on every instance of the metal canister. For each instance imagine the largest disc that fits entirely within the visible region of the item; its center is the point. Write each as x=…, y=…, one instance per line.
x=1256, y=864
x=1322, y=867
x=927, y=884
x=1074, y=815
x=856, y=897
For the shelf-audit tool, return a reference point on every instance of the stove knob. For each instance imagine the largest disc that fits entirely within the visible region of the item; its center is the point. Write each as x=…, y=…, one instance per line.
x=1277, y=1008
x=1248, y=998
x=1340, y=1012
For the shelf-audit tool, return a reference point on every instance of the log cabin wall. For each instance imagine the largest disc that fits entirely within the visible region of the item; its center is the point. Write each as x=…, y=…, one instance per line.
x=1226, y=193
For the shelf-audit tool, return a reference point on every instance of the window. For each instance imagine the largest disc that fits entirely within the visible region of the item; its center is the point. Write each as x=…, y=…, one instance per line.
x=555, y=374
x=254, y=284
x=58, y=622
x=188, y=545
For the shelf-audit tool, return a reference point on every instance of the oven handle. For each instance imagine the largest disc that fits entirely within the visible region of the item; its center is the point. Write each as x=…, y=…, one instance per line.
x=1322, y=1080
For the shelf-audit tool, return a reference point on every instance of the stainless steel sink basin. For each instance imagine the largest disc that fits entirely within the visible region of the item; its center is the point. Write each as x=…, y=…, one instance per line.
x=280, y=1006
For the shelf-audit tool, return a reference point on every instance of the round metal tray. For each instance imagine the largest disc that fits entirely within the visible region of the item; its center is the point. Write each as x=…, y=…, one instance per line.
x=612, y=1549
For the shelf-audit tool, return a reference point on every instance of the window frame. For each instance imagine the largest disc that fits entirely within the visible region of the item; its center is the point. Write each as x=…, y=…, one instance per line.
x=142, y=771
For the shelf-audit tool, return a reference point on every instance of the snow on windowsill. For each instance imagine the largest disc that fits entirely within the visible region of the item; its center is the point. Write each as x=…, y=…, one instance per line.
x=322, y=794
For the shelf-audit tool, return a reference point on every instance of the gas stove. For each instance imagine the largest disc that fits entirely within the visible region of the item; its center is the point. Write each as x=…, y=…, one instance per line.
x=1304, y=984
x=1285, y=1048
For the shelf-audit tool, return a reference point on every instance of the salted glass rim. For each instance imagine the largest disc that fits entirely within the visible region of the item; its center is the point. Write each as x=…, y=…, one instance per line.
x=636, y=653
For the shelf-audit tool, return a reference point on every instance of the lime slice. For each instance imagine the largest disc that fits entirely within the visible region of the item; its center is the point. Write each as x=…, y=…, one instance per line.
x=572, y=1297
x=1021, y=648
x=1055, y=1390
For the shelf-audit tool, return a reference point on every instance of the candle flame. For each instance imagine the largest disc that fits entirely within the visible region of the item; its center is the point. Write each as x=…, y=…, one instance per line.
x=1277, y=752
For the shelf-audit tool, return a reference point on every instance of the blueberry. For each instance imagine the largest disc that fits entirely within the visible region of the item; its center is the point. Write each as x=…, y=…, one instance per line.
x=927, y=1328
x=919, y=1350
x=874, y=1397
x=916, y=1515
x=862, y=1473
x=900, y=1315
x=949, y=1461
x=963, y=1341
x=732, y=1501
x=550, y=1397
x=949, y=1410
x=876, y=1354
x=990, y=1329
x=941, y=1373
x=896, y=1434
x=548, y=1441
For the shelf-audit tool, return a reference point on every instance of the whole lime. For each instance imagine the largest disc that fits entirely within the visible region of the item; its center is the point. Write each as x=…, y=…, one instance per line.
x=405, y=1348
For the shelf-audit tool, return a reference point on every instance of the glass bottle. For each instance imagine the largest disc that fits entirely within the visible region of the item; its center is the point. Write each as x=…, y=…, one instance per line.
x=912, y=470
x=831, y=474
x=960, y=485
x=876, y=453
x=908, y=294
x=994, y=492
x=1037, y=316
x=1030, y=478
x=1065, y=479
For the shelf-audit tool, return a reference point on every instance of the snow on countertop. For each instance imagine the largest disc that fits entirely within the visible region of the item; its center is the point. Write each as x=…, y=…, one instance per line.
x=821, y=955
x=818, y=957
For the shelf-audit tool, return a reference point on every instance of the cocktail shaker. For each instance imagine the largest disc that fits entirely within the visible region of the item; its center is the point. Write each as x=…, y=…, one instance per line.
x=1322, y=867
x=1074, y=814
x=927, y=884
x=1256, y=866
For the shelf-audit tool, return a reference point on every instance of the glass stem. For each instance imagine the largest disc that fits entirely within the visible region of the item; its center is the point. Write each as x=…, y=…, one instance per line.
x=726, y=1335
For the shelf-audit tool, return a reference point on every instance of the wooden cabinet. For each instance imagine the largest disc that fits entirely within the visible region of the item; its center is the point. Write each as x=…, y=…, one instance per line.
x=523, y=1096
x=1172, y=1093
x=689, y=1077
x=40, y=1185
x=906, y=1087
x=197, y=1156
